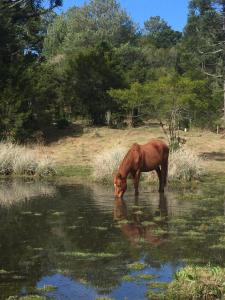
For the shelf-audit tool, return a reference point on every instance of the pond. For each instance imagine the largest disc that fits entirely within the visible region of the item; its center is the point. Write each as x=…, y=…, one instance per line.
x=74, y=241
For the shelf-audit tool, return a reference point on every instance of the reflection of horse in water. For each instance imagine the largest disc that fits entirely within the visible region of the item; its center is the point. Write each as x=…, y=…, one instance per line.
x=142, y=158
x=135, y=230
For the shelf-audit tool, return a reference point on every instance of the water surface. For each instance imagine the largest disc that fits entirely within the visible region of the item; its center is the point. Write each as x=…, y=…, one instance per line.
x=80, y=242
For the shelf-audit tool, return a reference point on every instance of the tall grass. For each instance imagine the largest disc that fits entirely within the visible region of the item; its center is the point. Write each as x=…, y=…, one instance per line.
x=184, y=165
x=194, y=282
x=107, y=162
x=23, y=160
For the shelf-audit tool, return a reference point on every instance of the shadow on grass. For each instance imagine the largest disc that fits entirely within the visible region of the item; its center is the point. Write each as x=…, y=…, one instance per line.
x=54, y=134
x=219, y=156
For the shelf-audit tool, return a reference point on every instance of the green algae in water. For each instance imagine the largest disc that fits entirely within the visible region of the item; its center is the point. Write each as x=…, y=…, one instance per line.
x=148, y=223
x=139, y=277
x=47, y=288
x=155, y=296
x=100, y=228
x=129, y=278
x=147, y=276
x=89, y=255
x=137, y=266
x=158, y=285
x=58, y=213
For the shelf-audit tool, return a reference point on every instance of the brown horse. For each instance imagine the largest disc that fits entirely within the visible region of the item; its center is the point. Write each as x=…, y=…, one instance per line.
x=142, y=158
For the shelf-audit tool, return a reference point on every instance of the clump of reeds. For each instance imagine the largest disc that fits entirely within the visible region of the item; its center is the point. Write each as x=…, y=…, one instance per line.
x=23, y=160
x=184, y=165
x=106, y=163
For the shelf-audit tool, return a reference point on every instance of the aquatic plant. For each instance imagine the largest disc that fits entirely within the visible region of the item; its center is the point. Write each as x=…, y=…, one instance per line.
x=23, y=160
x=194, y=282
x=137, y=266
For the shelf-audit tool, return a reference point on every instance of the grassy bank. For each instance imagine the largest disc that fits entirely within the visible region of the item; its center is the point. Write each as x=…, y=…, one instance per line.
x=194, y=282
x=74, y=155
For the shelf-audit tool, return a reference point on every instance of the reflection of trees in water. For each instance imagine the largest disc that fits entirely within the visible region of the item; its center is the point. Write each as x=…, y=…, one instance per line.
x=15, y=191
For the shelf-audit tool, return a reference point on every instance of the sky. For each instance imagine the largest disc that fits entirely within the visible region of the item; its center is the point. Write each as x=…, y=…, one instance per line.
x=172, y=11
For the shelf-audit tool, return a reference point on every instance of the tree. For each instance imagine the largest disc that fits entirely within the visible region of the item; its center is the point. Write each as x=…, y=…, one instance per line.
x=160, y=33
x=172, y=99
x=88, y=77
x=84, y=27
x=22, y=28
x=204, y=45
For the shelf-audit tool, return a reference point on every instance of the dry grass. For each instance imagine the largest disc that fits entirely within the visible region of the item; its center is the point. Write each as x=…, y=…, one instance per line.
x=106, y=163
x=80, y=150
x=22, y=160
x=185, y=165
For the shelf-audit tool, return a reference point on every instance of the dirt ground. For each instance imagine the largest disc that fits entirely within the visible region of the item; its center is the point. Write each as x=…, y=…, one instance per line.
x=82, y=144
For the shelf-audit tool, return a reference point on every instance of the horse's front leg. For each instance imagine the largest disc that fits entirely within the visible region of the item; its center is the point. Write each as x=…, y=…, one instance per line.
x=136, y=178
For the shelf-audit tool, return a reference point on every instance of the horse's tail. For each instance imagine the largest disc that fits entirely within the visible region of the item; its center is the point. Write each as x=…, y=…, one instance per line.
x=165, y=164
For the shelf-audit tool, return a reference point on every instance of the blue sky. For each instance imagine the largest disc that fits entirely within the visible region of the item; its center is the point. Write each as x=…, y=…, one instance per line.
x=172, y=11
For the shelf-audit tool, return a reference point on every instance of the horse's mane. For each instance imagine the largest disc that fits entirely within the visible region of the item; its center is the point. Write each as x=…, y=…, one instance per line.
x=128, y=158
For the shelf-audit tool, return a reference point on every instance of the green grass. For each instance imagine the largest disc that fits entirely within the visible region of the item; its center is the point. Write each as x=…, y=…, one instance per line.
x=194, y=282
x=73, y=171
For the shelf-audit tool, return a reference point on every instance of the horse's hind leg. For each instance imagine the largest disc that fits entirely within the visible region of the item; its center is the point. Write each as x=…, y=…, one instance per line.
x=161, y=181
x=136, y=178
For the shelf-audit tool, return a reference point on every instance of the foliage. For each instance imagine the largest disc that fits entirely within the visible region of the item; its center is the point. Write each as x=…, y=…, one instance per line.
x=93, y=60
x=193, y=282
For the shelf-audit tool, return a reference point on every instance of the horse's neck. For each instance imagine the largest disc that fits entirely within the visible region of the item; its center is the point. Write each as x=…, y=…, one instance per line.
x=125, y=166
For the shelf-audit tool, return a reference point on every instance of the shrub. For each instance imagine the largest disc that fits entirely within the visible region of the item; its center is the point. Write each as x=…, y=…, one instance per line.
x=106, y=163
x=22, y=160
x=185, y=165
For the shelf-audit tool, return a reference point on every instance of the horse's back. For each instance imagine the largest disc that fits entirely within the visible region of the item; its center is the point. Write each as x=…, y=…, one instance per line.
x=154, y=153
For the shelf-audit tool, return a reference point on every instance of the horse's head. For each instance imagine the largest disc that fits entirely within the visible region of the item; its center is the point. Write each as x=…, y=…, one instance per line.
x=120, y=185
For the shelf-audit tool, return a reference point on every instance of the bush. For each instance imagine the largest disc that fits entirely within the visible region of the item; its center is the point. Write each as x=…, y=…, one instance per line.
x=185, y=165
x=22, y=160
x=106, y=163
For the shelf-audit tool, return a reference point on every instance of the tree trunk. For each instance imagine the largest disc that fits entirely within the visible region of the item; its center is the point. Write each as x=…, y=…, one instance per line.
x=223, y=12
